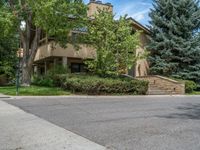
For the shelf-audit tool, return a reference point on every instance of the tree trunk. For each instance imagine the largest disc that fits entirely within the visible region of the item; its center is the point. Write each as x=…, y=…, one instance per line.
x=26, y=74
x=30, y=45
x=29, y=56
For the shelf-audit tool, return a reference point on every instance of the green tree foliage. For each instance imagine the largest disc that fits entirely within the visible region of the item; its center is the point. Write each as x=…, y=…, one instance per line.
x=175, y=46
x=8, y=53
x=30, y=17
x=115, y=44
x=8, y=44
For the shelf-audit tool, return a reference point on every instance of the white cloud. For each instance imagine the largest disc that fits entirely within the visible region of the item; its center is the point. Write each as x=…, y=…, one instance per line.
x=137, y=10
x=140, y=15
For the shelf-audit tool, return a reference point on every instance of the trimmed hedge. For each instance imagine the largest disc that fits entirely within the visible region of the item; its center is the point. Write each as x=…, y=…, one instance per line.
x=94, y=85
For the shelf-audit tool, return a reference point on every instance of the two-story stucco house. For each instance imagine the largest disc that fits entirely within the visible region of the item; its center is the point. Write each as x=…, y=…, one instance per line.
x=50, y=54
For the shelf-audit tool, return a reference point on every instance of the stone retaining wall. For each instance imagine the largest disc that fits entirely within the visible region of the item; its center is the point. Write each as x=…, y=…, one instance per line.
x=170, y=86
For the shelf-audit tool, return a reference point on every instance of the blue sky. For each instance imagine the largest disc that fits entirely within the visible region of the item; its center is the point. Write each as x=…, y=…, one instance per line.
x=138, y=9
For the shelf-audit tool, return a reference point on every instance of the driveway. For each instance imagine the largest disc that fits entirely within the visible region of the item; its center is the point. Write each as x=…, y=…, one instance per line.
x=124, y=123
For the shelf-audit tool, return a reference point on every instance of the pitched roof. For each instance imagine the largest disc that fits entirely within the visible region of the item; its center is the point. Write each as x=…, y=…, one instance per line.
x=139, y=25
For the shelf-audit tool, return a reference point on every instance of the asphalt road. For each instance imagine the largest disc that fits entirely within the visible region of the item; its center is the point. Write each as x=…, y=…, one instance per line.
x=119, y=123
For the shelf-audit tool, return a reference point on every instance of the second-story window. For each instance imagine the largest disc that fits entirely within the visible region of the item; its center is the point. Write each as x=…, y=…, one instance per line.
x=74, y=37
x=133, y=31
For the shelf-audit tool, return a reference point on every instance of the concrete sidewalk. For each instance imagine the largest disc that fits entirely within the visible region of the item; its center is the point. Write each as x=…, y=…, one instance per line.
x=22, y=131
x=3, y=96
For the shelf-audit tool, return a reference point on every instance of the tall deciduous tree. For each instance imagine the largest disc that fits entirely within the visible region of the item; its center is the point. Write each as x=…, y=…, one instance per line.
x=8, y=44
x=55, y=17
x=8, y=48
x=175, y=46
x=115, y=44
x=8, y=57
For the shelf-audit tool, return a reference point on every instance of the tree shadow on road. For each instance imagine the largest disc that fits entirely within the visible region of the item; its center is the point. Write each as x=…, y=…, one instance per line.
x=189, y=111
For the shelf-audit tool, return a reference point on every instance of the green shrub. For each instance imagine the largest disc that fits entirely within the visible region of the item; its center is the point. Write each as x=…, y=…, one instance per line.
x=49, y=80
x=190, y=86
x=52, y=78
x=43, y=81
x=95, y=85
x=59, y=79
x=57, y=70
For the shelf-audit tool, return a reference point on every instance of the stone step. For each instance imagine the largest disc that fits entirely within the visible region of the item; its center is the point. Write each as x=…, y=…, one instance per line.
x=159, y=88
x=155, y=86
x=159, y=92
x=159, y=85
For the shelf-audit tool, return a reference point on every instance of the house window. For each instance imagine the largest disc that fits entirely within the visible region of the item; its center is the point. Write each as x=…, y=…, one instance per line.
x=77, y=67
x=74, y=37
x=133, y=31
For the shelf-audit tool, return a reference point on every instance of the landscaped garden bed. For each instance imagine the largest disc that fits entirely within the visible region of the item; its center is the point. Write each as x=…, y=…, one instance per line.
x=95, y=85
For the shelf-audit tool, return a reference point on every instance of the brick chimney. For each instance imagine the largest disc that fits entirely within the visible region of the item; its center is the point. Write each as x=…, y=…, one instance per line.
x=94, y=5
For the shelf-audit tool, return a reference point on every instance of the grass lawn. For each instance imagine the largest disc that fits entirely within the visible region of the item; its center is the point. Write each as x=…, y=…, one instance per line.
x=195, y=93
x=33, y=91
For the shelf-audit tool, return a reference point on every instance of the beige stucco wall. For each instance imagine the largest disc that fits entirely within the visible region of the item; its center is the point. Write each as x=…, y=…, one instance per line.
x=142, y=65
x=52, y=49
x=94, y=7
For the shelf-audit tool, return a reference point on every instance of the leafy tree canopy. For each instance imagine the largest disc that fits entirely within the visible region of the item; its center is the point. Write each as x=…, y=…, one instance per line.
x=56, y=18
x=9, y=42
x=8, y=53
x=114, y=42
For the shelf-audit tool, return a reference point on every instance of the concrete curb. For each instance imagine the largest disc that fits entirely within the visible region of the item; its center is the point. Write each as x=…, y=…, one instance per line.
x=4, y=96
x=21, y=130
x=86, y=96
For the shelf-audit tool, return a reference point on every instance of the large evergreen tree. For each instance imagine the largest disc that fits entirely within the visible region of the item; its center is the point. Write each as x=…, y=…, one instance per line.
x=175, y=44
